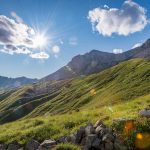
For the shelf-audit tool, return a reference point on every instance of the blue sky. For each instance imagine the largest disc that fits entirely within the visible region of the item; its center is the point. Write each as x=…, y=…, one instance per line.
x=69, y=27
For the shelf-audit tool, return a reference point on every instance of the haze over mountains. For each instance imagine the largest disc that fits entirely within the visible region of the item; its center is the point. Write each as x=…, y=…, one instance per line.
x=82, y=65
x=6, y=82
x=54, y=107
x=96, y=61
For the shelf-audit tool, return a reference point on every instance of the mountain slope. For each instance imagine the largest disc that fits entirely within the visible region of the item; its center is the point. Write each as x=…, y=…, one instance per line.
x=96, y=61
x=6, y=82
x=121, y=83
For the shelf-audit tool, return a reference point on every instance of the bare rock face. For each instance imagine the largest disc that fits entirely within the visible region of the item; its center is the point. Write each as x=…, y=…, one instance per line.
x=32, y=145
x=145, y=113
x=96, y=61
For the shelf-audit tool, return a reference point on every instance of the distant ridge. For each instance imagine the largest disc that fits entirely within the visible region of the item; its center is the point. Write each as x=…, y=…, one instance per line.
x=96, y=61
x=7, y=83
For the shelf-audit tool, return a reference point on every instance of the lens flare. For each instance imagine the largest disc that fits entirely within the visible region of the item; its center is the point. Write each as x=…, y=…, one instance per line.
x=39, y=40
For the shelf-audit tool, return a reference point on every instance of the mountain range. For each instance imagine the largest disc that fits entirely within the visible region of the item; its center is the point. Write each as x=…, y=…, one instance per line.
x=82, y=65
x=94, y=86
x=96, y=61
x=7, y=83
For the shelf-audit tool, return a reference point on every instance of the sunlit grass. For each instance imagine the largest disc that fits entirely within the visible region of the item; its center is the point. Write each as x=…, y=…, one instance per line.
x=48, y=126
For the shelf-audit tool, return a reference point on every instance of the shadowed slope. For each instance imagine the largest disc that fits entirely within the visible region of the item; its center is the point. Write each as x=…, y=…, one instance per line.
x=123, y=82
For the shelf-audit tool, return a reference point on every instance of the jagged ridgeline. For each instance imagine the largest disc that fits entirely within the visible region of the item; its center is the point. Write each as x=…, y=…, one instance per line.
x=122, y=83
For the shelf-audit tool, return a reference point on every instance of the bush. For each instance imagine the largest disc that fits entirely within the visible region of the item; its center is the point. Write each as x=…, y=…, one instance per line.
x=69, y=125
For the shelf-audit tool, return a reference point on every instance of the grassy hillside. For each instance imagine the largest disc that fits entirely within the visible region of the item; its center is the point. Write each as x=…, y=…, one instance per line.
x=55, y=126
x=58, y=108
x=119, y=84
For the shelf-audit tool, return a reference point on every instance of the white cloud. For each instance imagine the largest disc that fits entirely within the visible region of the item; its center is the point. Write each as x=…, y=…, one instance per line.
x=56, y=49
x=18, y=38
x=40, y=55
x=73, y=41
x=130, y=18
x=13, y=33
x=137, y=45
x=117, y=51
x=11, y=49
x=106, y=6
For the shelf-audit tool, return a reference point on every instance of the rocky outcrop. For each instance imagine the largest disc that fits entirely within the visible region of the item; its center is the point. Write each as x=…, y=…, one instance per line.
x=95, y=137
x=145, y=113
x=32, y=145
x=90, y=137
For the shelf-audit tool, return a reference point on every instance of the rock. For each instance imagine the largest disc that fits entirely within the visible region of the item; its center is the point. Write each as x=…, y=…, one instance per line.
x=109, y=146
x=145, y=113
x=73, y=139
x=98, y=123
x=98, y=129
x=13, y=147
x=105, y=131
x=89, y=129
x=108, y=138
x=32, y=145
x=62, y=139
x=83, y=141
x=48, y=144
x=21, y=148
x=89, y=140
x=96, y=143
x=79, y=135
x=3, y=146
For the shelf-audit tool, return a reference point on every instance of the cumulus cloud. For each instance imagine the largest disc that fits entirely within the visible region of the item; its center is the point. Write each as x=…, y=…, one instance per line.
x=117, y=51
x=11, y=49
x=137, y=45
x=56, y=49
x=130, y=18
x=40, y=55
x=14, y=33
x=18, y=38
x=73, y=41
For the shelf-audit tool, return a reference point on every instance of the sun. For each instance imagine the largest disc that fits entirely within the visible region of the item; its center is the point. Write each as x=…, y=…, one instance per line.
x=39, y=40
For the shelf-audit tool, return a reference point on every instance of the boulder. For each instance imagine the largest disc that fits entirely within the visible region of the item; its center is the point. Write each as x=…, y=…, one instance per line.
x=145, y=113
x=3, y=146
x=13, y=147
x=79, y=135
x=21, y=148
x=96, y=143
x=98, y=130
x=89, y=130
x=63, y=139
x=109, y=146
x=32, y=145
x=108, y=138
x=98, y=123
x=47, y=144
x=72, y=138
x=89, y=140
